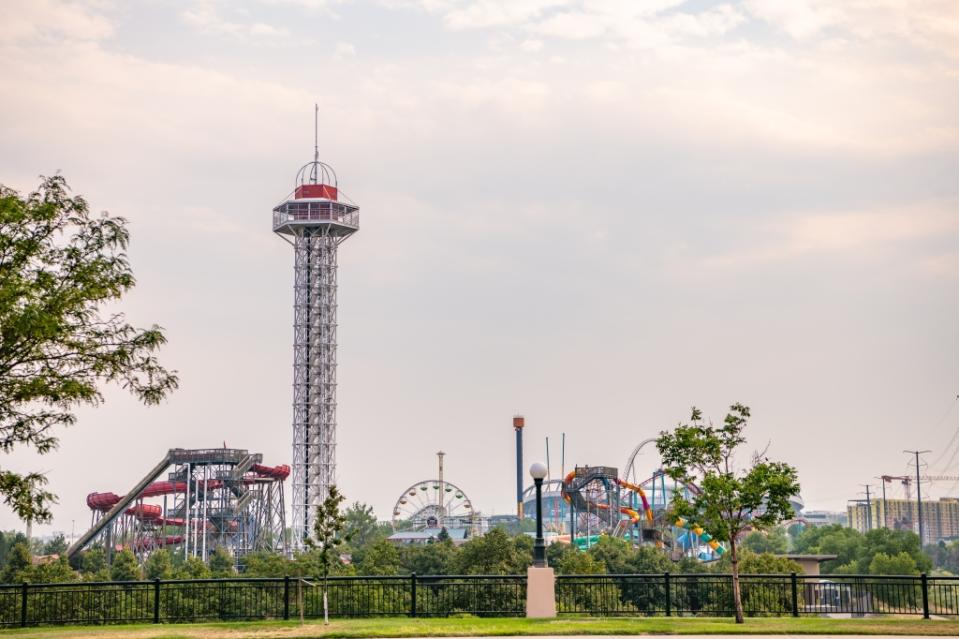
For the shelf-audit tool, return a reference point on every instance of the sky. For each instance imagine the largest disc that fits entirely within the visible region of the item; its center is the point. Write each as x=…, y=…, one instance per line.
x=597, y=214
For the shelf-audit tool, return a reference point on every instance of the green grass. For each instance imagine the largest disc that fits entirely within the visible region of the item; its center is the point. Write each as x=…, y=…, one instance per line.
x=471, y=627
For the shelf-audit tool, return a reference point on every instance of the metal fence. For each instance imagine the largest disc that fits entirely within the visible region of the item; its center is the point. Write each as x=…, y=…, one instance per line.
x=481, y=595
x=762, y=595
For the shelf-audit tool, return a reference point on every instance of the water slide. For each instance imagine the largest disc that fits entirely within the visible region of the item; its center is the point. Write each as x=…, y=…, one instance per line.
x=122, y=504
x=113, y=505
x=575, y=481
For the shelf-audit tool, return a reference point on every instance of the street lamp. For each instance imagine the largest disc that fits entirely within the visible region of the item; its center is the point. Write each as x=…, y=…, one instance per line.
x=538, y=472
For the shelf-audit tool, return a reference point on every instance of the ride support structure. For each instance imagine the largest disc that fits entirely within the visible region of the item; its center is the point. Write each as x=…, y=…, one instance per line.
x=211, y=498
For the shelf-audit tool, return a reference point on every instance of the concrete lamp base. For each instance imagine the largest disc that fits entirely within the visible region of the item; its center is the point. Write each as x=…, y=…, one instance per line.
x=540, y=592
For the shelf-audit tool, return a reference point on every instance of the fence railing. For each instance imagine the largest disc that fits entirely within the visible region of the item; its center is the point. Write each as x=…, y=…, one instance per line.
x=762, y=595
x=170, y=601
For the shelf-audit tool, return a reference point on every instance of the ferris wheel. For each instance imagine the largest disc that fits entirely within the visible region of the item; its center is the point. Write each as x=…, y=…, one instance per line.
x=432, y=503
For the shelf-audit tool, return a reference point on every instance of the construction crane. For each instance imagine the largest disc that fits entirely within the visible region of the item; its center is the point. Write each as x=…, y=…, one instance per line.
x=907, y=481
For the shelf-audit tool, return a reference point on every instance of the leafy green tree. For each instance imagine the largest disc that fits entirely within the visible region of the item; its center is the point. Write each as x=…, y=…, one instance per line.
x=845, y=543
x=381, y=558
x=189, y=568
x=7, y=541
x=159, y=565
x=495, y=553
x=753, y=563
x=19, y=561
x=900, y=564
x=577, y=562
x=125, y=567
x=93, y=565
x=361, y=525
x=55, y=546
x=728, y=501
x=221, y=563
x=772, y=541
x=430, y=559
x=892, y=543
x=50, y=572
x=62, y=271
x=267, y=564
x=329, y=531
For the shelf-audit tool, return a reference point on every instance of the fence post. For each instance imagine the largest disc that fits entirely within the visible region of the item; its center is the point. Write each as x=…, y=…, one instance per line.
x=413, y=594
x=795, y=588
x=925, y=596
x=23, y=605
x=669, y=596
x=156, y=600
x=286, y=598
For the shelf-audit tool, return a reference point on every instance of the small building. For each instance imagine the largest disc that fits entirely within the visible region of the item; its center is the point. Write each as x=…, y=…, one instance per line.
x=809, y=563
x=428, y=536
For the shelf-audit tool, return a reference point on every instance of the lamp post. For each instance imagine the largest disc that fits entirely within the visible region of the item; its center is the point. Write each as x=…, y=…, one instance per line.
x=538, y=471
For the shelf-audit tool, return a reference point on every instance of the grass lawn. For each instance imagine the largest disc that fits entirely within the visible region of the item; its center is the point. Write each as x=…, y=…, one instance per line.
x=466, y=627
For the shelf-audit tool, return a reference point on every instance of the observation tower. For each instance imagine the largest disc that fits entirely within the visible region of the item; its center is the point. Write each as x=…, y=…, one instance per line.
x=315, y=219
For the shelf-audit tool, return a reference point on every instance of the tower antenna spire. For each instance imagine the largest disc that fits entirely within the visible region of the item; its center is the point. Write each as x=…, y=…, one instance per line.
x=316, y=132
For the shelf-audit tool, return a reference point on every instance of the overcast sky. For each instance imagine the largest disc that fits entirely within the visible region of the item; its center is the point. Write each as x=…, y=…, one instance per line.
x=594, y=213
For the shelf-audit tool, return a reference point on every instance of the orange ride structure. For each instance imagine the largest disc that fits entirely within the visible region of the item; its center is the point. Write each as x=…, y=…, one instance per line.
x=210, y=498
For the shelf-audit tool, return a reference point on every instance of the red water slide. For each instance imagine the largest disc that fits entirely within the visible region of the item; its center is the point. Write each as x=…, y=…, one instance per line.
x=105, y=501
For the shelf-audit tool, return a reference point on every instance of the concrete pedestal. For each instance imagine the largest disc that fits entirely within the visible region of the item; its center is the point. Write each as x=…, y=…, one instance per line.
x=540, y=592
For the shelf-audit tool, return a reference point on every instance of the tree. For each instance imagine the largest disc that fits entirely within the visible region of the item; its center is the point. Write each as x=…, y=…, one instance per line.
x=899, y=564
x=55, y=546
x=772, y=541
x=19, y=560
x=60, y=268
x=221, y=563
x=845, y=543
x=430, y=559
x=159, y=565
x=125, y=567
x=361, y=526
x=727, y=501
x=328, y=532
x=495, y=553
x=381, y=558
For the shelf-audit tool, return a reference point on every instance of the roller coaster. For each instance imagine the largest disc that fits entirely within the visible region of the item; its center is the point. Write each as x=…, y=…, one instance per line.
x=212, y=498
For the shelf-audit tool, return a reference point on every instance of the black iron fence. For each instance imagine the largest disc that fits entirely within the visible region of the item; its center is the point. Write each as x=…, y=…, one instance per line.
x=481, y=595
x=762, y=595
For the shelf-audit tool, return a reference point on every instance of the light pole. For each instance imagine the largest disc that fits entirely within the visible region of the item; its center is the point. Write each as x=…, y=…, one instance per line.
x=538, y=471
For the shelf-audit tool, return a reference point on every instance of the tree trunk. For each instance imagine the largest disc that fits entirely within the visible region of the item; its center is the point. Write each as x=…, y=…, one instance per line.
x=737, y=595
x=326, y=607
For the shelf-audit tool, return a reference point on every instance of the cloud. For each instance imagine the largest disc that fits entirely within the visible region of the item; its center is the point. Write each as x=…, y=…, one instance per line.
x=932, y=25
x=48, y=20
x=206, y=16
x=858, y=235
x=344, y=50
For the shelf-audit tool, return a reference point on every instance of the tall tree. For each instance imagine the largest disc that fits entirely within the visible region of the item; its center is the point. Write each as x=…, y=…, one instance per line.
x=61, y=272
x=727, y=501
x=361, y=525
x=328, y=534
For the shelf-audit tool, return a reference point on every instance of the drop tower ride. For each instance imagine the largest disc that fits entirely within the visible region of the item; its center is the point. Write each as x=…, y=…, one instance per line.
x=315, y=219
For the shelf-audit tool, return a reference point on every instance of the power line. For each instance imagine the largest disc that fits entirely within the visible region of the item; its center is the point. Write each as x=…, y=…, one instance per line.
x=953, y=440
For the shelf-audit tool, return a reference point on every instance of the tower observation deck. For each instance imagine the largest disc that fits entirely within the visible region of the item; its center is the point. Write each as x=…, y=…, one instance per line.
x=315, y=219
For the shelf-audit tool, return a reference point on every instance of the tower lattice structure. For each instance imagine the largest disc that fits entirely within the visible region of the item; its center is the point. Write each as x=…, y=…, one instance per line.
x=315, y=220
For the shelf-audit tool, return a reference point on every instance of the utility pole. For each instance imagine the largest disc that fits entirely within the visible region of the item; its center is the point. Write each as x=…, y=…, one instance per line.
x=885, y=519
x=868, y=508
x=919, y=493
